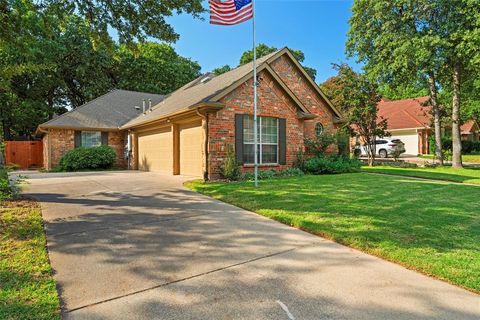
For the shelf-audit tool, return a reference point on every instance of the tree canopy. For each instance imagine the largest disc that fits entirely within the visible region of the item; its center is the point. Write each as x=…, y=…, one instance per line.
x=52, y=59
x=434, y=42
x=263, y=50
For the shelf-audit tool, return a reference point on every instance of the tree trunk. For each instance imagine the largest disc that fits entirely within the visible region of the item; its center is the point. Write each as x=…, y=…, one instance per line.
x=436, y=118
x=456, y=138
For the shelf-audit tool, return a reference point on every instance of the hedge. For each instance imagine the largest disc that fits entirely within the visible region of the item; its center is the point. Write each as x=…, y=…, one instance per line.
x=96, y=158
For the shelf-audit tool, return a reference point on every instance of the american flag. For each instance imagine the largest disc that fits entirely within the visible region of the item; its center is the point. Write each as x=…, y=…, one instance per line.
x=230, y=12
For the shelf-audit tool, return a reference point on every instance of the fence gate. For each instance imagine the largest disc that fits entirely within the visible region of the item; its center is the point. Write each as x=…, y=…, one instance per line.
x=24, y=154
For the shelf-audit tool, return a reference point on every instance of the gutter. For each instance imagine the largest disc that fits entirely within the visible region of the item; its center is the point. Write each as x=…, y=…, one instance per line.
x=205, y=106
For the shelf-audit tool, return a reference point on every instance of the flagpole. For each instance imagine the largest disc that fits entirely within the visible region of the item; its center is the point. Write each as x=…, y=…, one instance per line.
x=255, y=128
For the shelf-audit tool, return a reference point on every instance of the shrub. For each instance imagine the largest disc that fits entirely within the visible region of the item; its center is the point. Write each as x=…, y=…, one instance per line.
x=468, y=147
x=300, y=161
x=269, y=174
x=332, y=164
x=7, y=190
x=343, y=143
x=319, y=145
x=230, y=169
x=396, y=152
x=95, y=158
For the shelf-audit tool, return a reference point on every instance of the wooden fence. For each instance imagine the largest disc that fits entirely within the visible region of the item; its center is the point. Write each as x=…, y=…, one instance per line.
x=24, y=154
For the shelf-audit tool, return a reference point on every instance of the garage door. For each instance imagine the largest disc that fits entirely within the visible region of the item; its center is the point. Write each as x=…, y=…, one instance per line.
x=191, y=145
x=155, y=150
x=410, y=140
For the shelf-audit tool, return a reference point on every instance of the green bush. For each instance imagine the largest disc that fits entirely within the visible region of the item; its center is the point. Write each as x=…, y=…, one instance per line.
x=6, y=189
x=269, y=174
x=331, y=164
x=343, y=143
x=468, y=147
x=96, y=158
x=230, y=169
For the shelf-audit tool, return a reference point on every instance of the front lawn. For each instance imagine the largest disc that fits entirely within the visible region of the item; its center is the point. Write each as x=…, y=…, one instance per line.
x=432, y=227
x=27, y=289
x=471, y=158
x=466, y=175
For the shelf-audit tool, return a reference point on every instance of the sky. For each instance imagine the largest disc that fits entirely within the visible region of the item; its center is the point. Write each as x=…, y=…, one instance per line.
x=317, y=27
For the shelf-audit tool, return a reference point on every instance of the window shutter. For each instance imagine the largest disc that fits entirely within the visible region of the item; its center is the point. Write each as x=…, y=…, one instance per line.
x=78, y=139
x=104, y=138
x=239, y=137
x=282, y=141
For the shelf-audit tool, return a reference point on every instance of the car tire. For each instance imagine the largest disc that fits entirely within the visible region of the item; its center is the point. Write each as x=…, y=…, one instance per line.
x=383, y=153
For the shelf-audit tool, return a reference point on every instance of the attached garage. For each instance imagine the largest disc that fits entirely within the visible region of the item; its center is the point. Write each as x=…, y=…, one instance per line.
x=191, y=139
x=409, y=138
x=155, y=150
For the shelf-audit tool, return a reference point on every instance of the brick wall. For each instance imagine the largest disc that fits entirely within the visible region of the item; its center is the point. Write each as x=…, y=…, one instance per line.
x=58, y=141
x=304, y=91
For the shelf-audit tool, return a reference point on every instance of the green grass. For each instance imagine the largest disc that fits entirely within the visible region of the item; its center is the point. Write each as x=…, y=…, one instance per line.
x=27, y=289
x=429, y=226
x=472, y=158
x=466, y=175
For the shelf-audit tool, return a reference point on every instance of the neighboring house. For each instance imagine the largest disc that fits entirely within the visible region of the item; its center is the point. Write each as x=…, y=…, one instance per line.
x=409, y=120
x=190, y=130
x=470, y=130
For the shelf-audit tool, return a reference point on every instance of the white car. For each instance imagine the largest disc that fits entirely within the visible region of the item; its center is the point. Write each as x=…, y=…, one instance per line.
x=384, y=147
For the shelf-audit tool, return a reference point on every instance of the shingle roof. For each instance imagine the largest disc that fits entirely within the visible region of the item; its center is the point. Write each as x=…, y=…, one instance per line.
x=109, y=111
x=406, y=113
x=469, y=127
x=197, y=91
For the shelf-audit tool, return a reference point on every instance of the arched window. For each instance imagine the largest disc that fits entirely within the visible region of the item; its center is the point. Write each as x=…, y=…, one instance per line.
x=318, y=129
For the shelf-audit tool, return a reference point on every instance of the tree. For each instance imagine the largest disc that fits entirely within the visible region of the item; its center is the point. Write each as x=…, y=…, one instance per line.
x=332, y=88
x=223, y=69
x=132, y=20
x=263, y=50
x=394, y=40
x=154, y=67
x=436, y=39
x=360, y=97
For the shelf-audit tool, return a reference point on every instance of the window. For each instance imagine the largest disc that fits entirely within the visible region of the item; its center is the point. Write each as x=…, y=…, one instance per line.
x=318, y=129
x=91, y=139
x=267, y=140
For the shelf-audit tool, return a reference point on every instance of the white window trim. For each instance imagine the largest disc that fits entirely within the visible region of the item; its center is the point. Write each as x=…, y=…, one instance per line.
x=260, y=160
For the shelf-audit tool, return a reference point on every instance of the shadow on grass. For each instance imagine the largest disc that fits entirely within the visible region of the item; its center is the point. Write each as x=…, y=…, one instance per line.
x=431, y=174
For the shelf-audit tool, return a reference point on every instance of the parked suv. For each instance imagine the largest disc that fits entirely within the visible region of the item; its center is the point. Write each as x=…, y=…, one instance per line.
x=384, y=147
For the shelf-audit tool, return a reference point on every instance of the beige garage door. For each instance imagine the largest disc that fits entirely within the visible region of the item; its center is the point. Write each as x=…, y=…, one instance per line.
x=155, y=150
x=191, y=145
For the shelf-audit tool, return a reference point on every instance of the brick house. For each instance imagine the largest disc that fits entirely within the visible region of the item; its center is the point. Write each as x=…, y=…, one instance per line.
x=190, y=130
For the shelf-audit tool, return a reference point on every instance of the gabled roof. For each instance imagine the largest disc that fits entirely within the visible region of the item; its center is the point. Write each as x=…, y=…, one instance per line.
x=109, y=111
x=209, y=89
x=406, y=113
x=470, y=126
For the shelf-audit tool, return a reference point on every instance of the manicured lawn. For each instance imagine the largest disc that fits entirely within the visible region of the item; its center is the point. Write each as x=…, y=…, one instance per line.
x=27, y=289
x=466, y=175
x=433, y=227
x=472, y=158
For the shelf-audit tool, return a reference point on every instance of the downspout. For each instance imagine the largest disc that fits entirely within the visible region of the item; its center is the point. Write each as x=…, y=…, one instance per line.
x=205, y=142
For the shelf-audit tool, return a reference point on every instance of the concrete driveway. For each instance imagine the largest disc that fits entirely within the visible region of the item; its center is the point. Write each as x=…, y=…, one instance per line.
x=132, y=245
